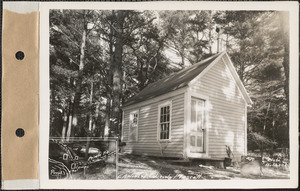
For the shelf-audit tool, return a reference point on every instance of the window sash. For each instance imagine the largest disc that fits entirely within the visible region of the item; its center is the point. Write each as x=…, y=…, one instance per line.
x=164, y=122
x=133, y=126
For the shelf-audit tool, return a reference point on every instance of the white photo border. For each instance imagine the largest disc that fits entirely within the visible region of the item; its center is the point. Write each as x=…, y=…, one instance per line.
x=45, y=183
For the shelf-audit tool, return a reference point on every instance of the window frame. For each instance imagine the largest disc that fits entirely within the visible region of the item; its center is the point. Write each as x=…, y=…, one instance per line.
x=137, y=124
x=164, y=104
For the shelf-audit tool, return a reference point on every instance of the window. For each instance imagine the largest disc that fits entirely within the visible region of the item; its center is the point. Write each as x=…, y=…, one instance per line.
x=164, y=121
x=133, y=126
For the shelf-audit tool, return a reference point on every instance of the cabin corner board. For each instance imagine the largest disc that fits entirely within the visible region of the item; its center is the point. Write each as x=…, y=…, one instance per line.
x=186, y=109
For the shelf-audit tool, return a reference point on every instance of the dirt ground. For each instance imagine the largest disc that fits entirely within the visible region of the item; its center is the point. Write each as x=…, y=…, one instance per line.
x=145, y=167
x=96, y=172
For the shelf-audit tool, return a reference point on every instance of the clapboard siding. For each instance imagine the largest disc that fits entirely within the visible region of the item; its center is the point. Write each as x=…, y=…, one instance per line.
x=227, y=111
x=147, y=129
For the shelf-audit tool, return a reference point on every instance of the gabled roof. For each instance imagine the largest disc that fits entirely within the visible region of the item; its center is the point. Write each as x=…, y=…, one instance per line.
x=175, y=81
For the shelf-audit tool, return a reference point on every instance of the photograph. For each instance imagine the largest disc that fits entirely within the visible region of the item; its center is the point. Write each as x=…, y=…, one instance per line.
x=186, y=94
x=163, y=94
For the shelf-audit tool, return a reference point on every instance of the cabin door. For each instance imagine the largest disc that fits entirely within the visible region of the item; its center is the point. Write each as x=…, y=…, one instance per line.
x=197, y=126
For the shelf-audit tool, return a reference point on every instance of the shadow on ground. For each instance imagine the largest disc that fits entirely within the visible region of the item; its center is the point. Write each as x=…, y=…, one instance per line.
x=146, y=167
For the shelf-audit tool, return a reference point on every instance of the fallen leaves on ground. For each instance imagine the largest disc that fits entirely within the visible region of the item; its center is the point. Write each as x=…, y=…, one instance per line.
x=146, y=167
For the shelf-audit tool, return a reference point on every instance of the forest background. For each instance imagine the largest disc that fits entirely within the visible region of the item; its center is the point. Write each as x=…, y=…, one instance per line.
x=101, y=58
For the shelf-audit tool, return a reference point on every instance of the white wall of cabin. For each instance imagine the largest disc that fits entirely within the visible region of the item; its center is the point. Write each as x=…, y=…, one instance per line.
x=148, y=128
x=226, y=111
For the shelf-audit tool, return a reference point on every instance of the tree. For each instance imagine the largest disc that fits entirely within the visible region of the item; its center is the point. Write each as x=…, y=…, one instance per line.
x=187, y=36
x=67, y=43
x=243, y=42
x=257, y=48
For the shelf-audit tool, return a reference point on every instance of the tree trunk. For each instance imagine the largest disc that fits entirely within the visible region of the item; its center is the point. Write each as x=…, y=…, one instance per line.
x=285, y=63
x=273, y=123
x=91, y=105
x=70, y=118
x=227, y=43
x=209, y=33
x=90, y=120
x=117, y=75
x=67, y=113
x=284, y=22
x=264, y=129
x=80, y=76
x=242, y=71
x=65, y=124
x=52, y=113
x=96, y=118
x=218, y=43
x=105, y=131
x=182, y=58
x=141, y=77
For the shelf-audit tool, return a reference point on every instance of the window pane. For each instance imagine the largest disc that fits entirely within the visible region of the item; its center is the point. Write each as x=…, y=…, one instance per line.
x=193, y=114
x=200, y=115
x=199, y=141
x=133, y=127
x=167, y=130
x=192, y=141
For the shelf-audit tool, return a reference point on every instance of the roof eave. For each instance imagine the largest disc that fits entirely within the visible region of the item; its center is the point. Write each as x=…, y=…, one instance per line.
x=157, y=98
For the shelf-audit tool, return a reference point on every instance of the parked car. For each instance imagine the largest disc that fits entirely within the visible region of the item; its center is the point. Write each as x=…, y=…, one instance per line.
x=63, y=161
x=80, y=150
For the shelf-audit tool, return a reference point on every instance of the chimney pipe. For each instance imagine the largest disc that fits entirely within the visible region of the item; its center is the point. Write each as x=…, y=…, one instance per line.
x=218, y=39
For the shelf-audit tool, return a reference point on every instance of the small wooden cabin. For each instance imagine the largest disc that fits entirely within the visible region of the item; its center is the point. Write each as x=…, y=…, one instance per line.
x=193, y=113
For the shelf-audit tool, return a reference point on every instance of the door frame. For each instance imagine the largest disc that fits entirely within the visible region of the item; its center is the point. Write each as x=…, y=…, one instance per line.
x=187, y=119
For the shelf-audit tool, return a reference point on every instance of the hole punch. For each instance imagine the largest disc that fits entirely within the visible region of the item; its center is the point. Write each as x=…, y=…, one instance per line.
x=20, y=132
x=20, y=55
